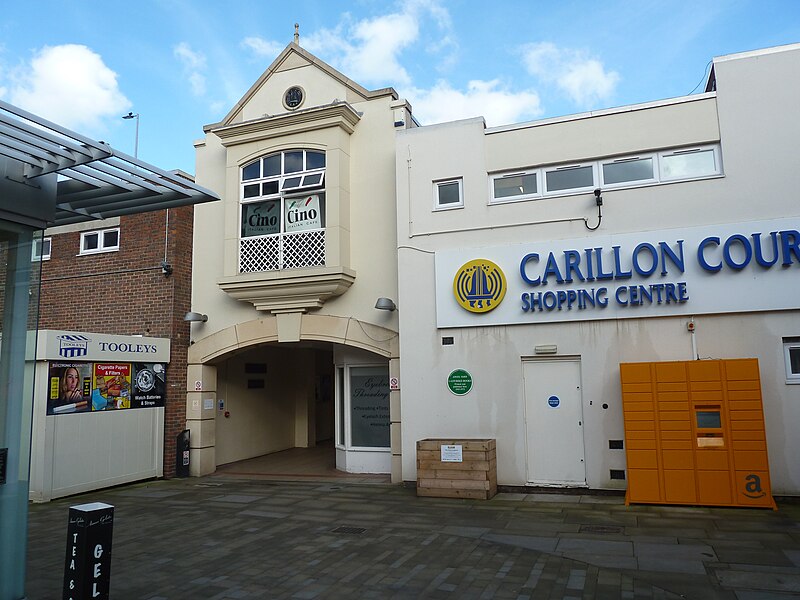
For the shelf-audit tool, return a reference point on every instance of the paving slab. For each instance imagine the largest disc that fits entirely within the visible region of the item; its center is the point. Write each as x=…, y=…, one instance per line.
x=226, y=537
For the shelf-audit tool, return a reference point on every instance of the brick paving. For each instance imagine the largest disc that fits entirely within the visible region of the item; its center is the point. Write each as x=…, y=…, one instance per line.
x=222, y=538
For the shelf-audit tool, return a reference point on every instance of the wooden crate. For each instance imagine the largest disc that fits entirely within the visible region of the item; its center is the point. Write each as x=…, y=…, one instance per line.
x=474, y=477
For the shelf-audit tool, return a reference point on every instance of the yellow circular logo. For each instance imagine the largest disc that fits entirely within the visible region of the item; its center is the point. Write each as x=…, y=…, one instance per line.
x=479, y=286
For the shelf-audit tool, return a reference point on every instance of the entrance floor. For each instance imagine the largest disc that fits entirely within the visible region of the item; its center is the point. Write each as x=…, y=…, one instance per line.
x=219, y=537
x=298, y=464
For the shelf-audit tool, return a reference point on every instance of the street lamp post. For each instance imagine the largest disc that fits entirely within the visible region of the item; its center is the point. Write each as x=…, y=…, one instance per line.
x=132, y=115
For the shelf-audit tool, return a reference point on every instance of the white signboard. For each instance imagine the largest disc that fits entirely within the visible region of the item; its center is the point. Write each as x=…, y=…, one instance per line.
x=208, y=404
x=101, y=347
x=737, y=267
x=452, y=453
x=301, y=214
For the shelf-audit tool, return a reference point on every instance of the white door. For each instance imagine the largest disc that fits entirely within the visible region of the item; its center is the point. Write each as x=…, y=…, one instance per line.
x=554, y=422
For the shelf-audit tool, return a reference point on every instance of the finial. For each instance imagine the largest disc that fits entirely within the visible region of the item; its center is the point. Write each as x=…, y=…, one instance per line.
x=297, y=33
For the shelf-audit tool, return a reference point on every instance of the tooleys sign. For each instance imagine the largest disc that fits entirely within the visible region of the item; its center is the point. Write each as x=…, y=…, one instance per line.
x=716, y=269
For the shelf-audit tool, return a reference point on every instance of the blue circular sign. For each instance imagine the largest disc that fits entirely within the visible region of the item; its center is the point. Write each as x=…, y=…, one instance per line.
x=554, y=401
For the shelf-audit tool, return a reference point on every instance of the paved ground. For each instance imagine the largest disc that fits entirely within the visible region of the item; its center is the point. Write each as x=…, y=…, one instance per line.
x=224, y=538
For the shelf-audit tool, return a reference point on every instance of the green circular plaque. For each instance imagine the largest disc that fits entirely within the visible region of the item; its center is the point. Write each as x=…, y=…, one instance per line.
x=459, y=382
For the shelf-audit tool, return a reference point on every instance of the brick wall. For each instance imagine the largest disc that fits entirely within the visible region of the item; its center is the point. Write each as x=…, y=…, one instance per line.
x=126, y=293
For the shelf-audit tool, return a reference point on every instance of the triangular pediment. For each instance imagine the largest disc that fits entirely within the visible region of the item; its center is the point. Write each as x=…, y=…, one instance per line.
x=321, y=84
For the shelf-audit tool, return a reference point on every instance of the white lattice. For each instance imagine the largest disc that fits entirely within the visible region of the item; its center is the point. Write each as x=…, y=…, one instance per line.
x=303, y=249
x=259, y=253
x=282, y=251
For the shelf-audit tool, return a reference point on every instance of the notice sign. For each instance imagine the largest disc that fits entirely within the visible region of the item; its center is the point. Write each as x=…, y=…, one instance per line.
x=452, y=453
x=459, y=382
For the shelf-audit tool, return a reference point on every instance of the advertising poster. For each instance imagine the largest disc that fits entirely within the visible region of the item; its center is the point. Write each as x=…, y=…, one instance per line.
x=70, y=387
x=85, y=387
x=149, y=385
x=112, y=386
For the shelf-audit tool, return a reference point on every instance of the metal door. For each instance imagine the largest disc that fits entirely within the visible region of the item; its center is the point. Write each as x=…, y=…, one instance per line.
x=554, y=422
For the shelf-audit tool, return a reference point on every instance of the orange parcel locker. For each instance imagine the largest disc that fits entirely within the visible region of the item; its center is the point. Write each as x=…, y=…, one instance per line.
x=694, y=433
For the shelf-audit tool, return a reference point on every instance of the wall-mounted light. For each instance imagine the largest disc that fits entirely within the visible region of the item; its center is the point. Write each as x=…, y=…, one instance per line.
x=385, y=304
x=598, y=200
x=195, y=317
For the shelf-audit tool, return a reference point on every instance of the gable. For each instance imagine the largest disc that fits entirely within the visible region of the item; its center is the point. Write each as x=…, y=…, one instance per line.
x=321, y=85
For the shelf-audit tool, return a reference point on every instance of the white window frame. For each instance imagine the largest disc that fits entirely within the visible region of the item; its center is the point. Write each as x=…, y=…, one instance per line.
x=101, y=247
x=790, y=343
x=518, y=197
x=569, y=167
x=454, y=205
x=623, y=159
x=597, y=174
x=41, y=243
x=714, y=148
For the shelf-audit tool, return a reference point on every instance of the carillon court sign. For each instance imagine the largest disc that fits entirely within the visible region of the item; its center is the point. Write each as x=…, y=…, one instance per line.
x=738, y=267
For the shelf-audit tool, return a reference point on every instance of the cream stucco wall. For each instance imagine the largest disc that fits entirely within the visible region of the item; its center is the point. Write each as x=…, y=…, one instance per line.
x=355, y=128
x=751, y=115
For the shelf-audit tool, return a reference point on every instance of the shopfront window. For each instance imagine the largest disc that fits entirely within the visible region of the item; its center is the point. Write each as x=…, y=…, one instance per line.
x=283, y=212
x=363, y=407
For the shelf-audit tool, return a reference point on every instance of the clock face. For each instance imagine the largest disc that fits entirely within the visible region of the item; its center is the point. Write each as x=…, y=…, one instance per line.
x=294, y=97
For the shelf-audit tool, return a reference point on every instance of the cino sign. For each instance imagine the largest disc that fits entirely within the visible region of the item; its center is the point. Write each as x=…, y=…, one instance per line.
x=715, y=269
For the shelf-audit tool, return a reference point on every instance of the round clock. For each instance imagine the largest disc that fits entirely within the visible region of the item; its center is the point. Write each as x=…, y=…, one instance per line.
x=294, y=97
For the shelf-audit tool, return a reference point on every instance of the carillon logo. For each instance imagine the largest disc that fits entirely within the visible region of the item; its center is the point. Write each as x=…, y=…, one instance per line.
x=479, y=286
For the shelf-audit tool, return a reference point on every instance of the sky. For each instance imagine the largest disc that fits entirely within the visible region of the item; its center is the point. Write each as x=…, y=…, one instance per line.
x=182, y=64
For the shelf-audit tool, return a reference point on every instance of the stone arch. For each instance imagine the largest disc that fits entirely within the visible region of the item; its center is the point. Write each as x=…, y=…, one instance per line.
x=201, y=397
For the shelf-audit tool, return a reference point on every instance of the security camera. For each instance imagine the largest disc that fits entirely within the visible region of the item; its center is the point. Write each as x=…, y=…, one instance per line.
x=597, y=197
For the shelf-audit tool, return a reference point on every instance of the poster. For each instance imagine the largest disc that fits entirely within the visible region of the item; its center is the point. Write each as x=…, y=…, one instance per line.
x=69, y=389
x=112, y=386
x=86, y=387
x=302, y=214
x=149, y=385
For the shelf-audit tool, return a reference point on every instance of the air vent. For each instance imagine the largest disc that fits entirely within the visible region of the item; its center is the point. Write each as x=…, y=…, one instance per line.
x=617, y=474
x=615, y=444
x=447, y=341
x=600, y=529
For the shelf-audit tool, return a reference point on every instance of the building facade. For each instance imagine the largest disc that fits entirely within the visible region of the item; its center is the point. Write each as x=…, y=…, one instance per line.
x=539, y=257
x=129, y=276
x=288, y=269
x=527, y=263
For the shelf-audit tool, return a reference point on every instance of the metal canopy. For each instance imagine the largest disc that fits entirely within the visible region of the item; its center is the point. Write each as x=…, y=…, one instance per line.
x=95, y=181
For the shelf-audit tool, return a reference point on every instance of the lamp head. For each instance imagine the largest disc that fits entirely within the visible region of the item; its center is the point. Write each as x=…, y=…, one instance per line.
x=385, y=304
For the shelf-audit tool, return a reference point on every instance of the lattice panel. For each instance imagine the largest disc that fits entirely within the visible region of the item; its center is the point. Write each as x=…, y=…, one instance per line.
x=259, y=254
x=303, y=249
x=282, y=251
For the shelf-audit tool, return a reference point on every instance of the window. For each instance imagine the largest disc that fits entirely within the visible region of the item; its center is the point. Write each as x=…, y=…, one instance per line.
x=283, y=212
x=515, y=186
x=633, y=169
x=618, y=172
x=362, y=412
x=41, y=249
x=570, y=178
x=93, y=242
x=448, y=194
x=689, y=163
x=791, y=353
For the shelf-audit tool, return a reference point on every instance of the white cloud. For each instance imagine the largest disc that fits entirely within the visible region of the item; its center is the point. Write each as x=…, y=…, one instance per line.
x=190, y=59
x=373, y=54
x=582, y=77
x=261, y=47
x=499, y=106
x=70, y=85
x=193, y=63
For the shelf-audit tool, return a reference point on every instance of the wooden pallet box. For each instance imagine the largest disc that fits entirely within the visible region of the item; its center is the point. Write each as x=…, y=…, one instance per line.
x=474, y=476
